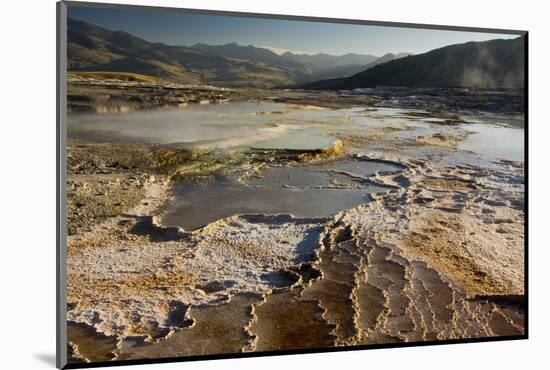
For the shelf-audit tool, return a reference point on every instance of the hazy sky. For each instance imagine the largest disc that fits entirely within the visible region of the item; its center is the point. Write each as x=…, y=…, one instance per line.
x=177, y=28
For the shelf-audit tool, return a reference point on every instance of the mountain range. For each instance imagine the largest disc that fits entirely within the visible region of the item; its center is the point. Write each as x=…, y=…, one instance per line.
x=494, y=63
x=487, y=64
x=93, y=48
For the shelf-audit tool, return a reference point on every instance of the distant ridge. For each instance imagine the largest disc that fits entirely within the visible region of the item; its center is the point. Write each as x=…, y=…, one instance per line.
x=322, y=62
